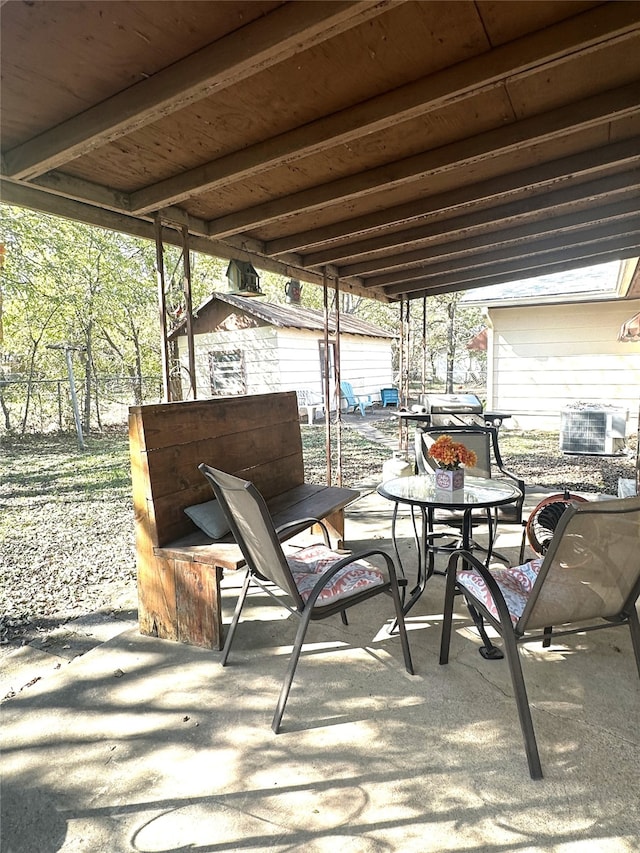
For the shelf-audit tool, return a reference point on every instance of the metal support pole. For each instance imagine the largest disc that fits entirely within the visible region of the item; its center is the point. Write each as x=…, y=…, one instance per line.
x=186, y=264
x=424, y=345
x=407, y=366
x=327, y=399
x=74, y=399
x=403, y=402
x=68, y=349
x=336, y=367
x=162, y=305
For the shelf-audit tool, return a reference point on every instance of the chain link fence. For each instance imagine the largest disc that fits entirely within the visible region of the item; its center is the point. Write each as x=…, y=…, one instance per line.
x=48, y=404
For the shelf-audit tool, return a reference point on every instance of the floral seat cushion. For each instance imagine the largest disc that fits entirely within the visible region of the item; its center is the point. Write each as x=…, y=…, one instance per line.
x=309, y=563
x=515, y=585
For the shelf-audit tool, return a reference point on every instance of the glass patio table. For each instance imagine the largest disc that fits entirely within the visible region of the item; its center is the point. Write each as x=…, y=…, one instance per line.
x=420, y=492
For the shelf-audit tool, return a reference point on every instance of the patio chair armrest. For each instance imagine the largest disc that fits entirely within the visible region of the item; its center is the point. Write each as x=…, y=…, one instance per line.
x=345, y=561
x=519, y=481
x=367, y=398
x=494, y=589
x=301, y=524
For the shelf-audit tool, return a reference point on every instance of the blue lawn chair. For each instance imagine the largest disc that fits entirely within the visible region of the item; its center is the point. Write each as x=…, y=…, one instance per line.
x=355, y=401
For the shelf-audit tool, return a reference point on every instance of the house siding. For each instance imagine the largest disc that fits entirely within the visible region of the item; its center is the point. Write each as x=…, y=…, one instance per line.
x=261, y=363
x=299, y=355
x=368, y=370
x=546, y=358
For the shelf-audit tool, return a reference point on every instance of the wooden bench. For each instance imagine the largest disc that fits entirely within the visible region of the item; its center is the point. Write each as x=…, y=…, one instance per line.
x=179, y=567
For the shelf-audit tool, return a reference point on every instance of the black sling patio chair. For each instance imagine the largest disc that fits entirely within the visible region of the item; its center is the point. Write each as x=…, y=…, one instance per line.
x=588, y=579
x=318, y=581
x=540, y=528
x=483, y=440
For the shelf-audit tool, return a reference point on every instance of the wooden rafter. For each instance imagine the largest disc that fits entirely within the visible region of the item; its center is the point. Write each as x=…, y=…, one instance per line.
x=403, y=147
x=227, y=62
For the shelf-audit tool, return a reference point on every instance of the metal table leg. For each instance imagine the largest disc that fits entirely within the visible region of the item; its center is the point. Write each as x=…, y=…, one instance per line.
x=425, y=557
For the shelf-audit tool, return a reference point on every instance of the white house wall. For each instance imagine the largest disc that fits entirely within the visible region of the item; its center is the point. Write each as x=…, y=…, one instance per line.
x=365, y=362
x=545, y=358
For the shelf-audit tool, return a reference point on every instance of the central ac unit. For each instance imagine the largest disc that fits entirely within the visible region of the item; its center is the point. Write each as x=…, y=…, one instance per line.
x=597, y=432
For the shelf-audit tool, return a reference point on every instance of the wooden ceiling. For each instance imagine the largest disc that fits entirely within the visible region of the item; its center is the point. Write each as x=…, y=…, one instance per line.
x=410, y=148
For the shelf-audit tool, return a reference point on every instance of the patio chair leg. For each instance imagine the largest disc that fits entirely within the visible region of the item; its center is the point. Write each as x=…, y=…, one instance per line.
x=236, y=616
x=488, y=650
x=291, y=669
x=522, y=544
x=634, y=627
x=522, y=703
x=343, y=616
x=402, y=628
x=447, y=616
x=547, y=632
x=492, y=530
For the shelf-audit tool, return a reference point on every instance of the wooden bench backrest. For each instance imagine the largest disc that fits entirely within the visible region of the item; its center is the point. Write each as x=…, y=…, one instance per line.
x=255, y=437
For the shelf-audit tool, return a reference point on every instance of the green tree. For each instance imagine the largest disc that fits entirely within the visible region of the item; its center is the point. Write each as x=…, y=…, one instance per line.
x=67, y=283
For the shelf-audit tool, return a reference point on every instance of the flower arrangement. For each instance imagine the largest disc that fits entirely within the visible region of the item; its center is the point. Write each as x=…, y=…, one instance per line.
x=450, y=454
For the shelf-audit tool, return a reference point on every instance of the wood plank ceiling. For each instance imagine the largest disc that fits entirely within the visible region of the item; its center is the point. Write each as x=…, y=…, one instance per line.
x=410, y=148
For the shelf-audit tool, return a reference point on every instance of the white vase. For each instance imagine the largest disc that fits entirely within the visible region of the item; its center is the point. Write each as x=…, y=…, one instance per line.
x=449, y=481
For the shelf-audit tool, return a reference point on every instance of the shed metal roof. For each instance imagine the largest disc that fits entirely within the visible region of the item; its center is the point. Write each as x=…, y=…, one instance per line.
x=290, y=317
x=409, y=148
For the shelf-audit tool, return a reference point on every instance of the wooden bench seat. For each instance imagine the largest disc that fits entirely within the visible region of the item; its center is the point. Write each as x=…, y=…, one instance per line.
x=179, y=567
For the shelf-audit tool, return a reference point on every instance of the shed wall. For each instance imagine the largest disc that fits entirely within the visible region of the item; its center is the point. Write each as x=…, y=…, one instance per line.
x=259, y=347
x=369, y=367
x=289, y=359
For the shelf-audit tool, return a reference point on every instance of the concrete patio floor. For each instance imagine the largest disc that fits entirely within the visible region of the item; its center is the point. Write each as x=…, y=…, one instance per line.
x=147, y=745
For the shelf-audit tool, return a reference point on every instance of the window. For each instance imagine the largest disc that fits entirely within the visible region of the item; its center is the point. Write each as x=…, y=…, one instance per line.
x=227, y=374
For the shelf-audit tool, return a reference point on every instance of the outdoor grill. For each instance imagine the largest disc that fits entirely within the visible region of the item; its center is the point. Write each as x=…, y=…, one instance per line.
x=446, y=409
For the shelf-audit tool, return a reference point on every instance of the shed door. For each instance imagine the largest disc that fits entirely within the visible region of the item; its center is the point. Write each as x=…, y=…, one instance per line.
x=332, y=371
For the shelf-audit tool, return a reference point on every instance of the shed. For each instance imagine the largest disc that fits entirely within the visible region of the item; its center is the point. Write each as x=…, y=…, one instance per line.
x=554, y=344
x=249, y=346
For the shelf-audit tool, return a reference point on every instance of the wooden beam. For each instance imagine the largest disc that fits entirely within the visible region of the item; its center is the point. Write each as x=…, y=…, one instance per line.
x=289, y=29
x=582, y=254
x=435, y=288
x=581, y=33
x=30, y=197
x=86, y=191
x=499, y=142
x=96, y=196
x=586, y=163
x=469, y=244
x=531, y=248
